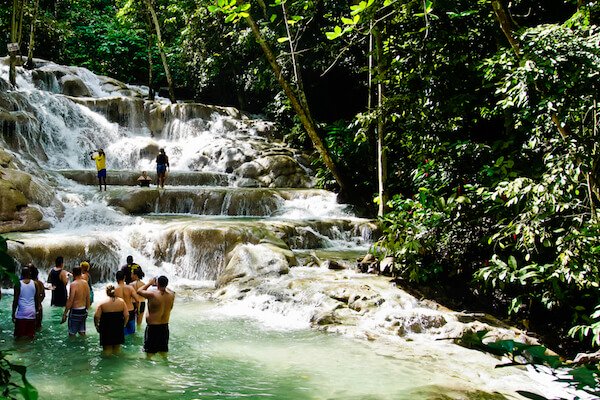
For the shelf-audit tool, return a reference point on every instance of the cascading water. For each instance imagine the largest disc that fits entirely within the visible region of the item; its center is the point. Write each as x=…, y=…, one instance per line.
x=238, y=212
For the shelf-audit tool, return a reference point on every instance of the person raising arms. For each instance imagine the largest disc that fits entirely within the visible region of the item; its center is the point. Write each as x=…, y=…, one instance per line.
x=160, y=304
x=100, y=159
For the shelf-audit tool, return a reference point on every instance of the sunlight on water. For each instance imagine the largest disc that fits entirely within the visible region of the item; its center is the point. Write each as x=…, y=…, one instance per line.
x=217, y=356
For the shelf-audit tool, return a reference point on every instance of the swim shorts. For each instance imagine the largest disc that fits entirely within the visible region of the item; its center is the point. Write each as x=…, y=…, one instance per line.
x=24, y=327
x=156, y=338
x=102, y=173
x=161, y=168
x=130, y=327
x=76, y=322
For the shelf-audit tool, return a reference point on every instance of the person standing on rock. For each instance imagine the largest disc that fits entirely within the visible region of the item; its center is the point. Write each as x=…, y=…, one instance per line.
x=160, y=304
x=59, y=279
x=162, y=166
x=100, y=159
x=25, y=306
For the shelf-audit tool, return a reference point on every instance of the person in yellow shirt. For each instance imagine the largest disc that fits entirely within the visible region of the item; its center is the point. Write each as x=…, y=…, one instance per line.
x=100, y=159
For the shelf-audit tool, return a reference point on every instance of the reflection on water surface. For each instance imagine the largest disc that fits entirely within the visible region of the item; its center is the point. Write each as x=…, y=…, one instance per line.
x=225, y=358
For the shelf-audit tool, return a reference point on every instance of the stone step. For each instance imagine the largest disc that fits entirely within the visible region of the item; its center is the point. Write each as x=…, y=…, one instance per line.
x=199, y=248
x=129, y=178
x=229, y=201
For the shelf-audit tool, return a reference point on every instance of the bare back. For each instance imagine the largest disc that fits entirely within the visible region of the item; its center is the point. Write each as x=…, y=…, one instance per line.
x=127, y=293
x=113, y=304
x=160, y=304
x=79, y=295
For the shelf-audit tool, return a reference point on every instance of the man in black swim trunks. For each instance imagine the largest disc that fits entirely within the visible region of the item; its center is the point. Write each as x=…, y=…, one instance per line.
x=160, y=304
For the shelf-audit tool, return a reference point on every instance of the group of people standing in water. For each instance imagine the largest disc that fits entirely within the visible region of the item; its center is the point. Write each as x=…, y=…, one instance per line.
x=162, y=166
x=114, y=318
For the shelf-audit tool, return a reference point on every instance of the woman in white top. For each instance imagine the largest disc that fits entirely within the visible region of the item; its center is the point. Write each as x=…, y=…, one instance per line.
x=25, y=306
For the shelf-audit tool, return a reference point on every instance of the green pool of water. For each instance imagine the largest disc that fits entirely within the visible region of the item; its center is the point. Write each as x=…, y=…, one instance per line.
x=216, y=357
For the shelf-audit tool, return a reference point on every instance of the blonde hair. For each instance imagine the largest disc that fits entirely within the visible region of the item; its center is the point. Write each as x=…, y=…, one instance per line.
x=110, y=290
x=85, y=266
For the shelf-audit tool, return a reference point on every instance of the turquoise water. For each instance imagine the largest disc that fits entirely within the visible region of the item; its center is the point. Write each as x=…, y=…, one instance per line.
x=215, y=357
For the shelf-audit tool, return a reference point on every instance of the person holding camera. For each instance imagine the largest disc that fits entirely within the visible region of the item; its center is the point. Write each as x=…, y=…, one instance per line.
x=100, y=159
x=160, y=304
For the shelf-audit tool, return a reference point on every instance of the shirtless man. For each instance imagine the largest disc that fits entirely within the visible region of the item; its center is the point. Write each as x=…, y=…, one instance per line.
x=160, y=304
x=128, y=294
x=77, y=303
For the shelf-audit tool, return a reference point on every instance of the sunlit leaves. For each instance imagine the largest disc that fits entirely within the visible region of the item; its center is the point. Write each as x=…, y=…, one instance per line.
x=233, y=10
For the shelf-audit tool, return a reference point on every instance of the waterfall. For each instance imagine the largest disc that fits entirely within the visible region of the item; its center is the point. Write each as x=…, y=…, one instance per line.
x=230, y=183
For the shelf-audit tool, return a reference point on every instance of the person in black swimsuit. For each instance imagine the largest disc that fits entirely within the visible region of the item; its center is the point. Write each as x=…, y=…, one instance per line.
x=59, y=279
x=110, y=319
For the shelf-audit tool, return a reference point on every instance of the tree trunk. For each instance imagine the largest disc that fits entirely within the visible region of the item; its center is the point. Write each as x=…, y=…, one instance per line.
x=12, y=71
x=381, y=152
x=151, y=94
x=302, y=112
x=161, y=49
x=20, y=25
x=29, y=63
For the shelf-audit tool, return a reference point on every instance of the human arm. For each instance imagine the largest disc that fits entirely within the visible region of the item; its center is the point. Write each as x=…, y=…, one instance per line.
x=70, y=300
x=88, y=300
x=136, y=297
x=16, y=300
x=125, y=314
x=144, y=292
x=64, y=277
x=97, y=316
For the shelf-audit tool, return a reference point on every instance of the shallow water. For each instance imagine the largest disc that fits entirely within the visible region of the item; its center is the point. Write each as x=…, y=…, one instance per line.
x=223, y=357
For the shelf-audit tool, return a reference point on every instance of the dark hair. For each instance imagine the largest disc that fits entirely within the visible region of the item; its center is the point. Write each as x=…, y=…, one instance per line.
x=76, y=271
x=34, y=271
x=138, y=271
x=162, y=281
x=25, y=273
x=120, y=276
x=59, y=261
x=129, y=259
x=110, y=290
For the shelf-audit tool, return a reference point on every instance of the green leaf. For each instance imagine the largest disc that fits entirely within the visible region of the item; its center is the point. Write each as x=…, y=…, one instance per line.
x=512, y=262
x=283, y=39
x=585, y=376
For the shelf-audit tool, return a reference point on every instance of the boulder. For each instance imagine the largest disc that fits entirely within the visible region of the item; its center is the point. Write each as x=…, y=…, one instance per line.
x=248, y=260
x=386, y=266
x=136, y=202
x=5, y=159
x=74, y=86
x=11, y=200
x=251, y=170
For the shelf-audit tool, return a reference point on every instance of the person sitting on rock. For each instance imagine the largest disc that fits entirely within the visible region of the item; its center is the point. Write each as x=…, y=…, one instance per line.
x=144, y=180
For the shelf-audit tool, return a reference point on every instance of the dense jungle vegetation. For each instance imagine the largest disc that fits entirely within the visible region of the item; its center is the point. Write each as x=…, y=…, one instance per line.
x=471, y=124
